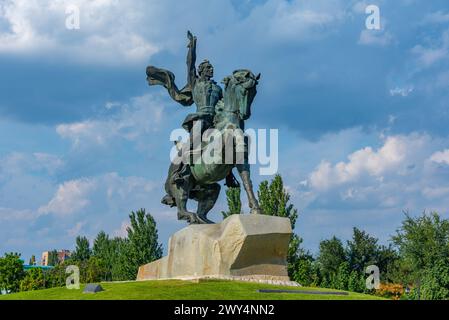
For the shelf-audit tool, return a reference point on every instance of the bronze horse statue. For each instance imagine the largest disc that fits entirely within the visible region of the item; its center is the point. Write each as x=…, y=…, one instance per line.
x=201, y=184
x=225, y=112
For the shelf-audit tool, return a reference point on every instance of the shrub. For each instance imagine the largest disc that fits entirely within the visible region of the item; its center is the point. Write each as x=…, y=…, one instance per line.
x=390, y=290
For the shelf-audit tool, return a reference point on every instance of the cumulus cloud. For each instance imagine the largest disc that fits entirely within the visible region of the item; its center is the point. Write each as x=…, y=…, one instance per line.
x=366, y=161
x=70, y=197
x=108, y=29
x=122, y=231
x=299, y=20
x=441, y=157
x=116, y=32
x=375, y=38
x=141, y=117
x=110, y=190
x=427, y=56
x=18, y=162
x=405, y=172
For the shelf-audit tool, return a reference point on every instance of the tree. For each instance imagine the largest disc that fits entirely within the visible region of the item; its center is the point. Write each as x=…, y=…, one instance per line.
x=102, y=251
x=33, y=280
x=274, y=200
x=422, y=241
x=388, y=261
x=331, y=255
x=82, y=251
x=53, y=259
x=32, y=261
x=101, y=247
x=119, y=259
x=142, y=246
x=11, y=272
x=92, y=270
x=356, y=282
x=341, y=279
x=423, y=244
x=435, y=282
x=305, y=271
x=234, y=202
x=362, y=251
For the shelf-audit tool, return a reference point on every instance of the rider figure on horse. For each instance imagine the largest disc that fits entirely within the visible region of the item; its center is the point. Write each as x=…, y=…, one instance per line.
x=201, y=90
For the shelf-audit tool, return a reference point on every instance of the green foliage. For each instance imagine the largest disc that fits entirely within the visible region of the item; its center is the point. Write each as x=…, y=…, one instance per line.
x=53, y=259
x=234, y=202
x=362, y=251
x=305, y=271
x=332, y=255
x=341, y=279
x=422, y=241
x=435, y=282
x=33, y=280
x=32, y=261
x=388, y=261
x=93, y=270
x=56, y=276
x=142, y=245
x=180, y=290
x=119, y=259
x=356, y=282
x=103, y=250
x=11, y=272
x=82, y=251
x=423, y=244
x=274, y=200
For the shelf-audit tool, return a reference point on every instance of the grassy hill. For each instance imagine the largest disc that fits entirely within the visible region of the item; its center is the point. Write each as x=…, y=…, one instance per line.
x=182, y=290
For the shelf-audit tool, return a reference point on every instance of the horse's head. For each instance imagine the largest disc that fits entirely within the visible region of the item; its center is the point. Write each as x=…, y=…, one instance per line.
x=240, y=90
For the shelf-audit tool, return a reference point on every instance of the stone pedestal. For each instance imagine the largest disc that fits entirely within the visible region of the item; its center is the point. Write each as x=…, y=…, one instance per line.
x=242, y=246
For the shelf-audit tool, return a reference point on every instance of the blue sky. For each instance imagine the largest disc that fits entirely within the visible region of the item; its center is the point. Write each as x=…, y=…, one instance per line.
x=362, y=114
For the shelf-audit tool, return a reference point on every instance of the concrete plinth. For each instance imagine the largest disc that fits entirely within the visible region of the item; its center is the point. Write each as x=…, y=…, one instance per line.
x=246, y=246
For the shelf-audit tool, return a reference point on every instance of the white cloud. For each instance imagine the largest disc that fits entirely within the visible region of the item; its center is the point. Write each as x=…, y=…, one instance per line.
x=143, y=116
x=363, y=162
x=294, y=21
x=441, y=157
x=76, y=230
x=84, y=195
x=24, y=216
x=71, y=197
x=16, y=163
x=124, y=32
x=375, y=38
x=108, y=31
x=427, y=56
x=122, y=231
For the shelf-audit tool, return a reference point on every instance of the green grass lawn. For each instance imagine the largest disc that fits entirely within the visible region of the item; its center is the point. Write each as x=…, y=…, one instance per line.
x=182, y=290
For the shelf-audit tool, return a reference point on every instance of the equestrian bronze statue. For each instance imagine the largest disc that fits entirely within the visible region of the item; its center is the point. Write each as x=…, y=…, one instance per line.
x=221, y=114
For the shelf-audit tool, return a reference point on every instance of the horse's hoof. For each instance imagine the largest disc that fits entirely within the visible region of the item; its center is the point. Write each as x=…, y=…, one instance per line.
x=256, y=211
x=192, y=218
x=183, y=216
x=204, y=220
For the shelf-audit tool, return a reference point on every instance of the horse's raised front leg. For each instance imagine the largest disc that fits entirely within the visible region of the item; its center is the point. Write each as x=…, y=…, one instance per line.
x=206, y=196
x=181, y=192
x=244, y=173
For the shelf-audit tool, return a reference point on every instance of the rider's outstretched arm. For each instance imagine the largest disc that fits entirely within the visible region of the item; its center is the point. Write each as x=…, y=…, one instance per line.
x=191, y=60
